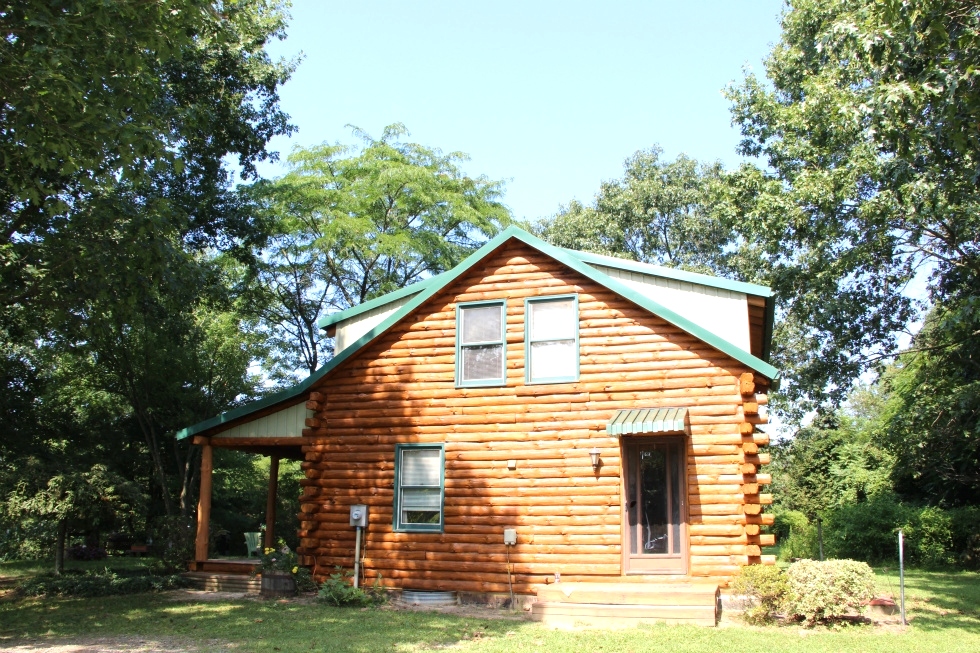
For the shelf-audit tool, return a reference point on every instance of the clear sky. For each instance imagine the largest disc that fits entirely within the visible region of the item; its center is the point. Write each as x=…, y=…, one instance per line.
x=551, y=97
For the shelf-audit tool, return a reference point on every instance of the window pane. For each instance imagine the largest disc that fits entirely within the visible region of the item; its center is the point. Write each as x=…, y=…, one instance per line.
x=481, y=324
x=553, y=359
x=483, y=362
x=420, y=516
x=553, y=320
x=420, y=467
x=421, y=499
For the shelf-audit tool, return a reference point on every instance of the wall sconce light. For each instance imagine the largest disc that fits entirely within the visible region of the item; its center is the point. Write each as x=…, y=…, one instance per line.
x=594, y=455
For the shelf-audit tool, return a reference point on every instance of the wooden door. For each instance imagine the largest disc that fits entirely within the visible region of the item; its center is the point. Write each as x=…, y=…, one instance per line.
x=655, y=514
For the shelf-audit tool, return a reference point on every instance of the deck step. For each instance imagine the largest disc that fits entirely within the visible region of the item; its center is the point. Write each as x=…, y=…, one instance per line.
x=218, y=582
x=626, y=604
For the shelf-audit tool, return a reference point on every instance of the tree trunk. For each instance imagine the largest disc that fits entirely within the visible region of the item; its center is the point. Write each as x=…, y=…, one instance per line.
x=59, y=547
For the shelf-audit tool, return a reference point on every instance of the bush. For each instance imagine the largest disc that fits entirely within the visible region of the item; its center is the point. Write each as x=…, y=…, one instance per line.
x=929, y=537
x=98, y=583
x=338, y=590
x=866, y=531
x=787, y=522
x=823, y=591
x=965, y=532
x=304, y=581
x=766, y=584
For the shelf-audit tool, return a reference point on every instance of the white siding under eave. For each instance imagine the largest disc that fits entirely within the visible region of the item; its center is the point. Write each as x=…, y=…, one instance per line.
x=350, y=330
x=285, y=423
x=724, y=313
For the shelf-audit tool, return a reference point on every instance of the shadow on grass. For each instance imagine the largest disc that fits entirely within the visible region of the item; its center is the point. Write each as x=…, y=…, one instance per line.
x=250, y=624
x=937, y=600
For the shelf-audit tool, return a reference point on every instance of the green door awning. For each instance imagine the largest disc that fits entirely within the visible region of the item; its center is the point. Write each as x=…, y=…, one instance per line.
x=647, y=420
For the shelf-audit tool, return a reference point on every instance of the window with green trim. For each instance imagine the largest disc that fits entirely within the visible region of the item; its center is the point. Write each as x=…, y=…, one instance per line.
x=551, y=339
x=481, y=350
x=420, y=484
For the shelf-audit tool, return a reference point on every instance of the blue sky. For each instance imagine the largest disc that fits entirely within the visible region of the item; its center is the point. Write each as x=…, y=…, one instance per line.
x=551, y=97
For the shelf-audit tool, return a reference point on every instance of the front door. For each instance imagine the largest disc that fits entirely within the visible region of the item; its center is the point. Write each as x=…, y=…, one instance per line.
x=654, y=524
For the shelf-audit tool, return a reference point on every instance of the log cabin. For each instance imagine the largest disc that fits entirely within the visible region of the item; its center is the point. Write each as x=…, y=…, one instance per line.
x=576, y=430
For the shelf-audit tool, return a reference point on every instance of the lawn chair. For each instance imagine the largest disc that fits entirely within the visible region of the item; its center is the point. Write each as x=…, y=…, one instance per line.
x=253, y=542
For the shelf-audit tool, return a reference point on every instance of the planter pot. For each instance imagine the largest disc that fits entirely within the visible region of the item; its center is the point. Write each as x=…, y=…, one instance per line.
x=277, y=584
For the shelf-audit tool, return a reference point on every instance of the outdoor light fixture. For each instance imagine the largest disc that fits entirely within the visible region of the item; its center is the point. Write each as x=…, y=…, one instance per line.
x=594, y=455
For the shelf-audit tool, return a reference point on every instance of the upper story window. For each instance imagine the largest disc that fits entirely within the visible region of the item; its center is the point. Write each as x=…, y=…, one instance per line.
x=551, y=339
x=481, y=349
x=420, y=484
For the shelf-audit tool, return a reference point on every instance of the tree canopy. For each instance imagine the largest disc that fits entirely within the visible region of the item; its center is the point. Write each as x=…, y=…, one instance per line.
x=867, y=122
x=354, y=223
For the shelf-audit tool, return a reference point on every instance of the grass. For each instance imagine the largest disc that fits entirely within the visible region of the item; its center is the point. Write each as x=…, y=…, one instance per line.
x=945, y=608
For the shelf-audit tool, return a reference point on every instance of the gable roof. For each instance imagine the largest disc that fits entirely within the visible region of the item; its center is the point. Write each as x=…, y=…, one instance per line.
x=424, y=290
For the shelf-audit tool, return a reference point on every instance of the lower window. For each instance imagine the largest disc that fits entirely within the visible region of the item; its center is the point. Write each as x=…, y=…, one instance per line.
x=419, y=487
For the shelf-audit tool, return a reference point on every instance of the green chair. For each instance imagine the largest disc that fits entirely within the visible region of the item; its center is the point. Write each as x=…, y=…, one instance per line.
x=253, y=542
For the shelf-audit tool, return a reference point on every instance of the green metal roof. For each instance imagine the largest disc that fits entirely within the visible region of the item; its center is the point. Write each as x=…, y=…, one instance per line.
x=431, y=286
x=647, y=420
x=672, y=273
x=415, y=288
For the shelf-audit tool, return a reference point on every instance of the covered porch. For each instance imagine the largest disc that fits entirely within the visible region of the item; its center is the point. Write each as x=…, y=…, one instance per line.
x=275, y=431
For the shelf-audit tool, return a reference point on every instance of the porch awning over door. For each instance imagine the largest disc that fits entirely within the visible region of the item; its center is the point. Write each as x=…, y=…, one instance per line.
x=647, y=420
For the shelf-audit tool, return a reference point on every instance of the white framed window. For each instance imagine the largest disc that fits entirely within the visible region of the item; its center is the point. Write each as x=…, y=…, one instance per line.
x=551, y=339
x=420, y=484
x=481, y=348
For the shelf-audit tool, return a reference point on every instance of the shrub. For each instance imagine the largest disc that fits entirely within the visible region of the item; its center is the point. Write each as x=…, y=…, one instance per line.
x=98, y=583
x=823, y=591
x=338, y=590
x=866, y=531
x=766, y=584
x=787, y=522
x=965, y=532
x=929, y=534
x=304, y=581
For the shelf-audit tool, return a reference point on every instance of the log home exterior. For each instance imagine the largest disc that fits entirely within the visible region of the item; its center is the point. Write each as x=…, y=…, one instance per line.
x=476, y=401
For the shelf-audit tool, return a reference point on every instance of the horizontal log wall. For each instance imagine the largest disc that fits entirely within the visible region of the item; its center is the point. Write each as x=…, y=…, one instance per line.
x=401, y=389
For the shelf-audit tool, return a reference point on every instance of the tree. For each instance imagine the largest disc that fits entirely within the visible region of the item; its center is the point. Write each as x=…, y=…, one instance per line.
x=353, y=224
x=127, y=102
x=867, y=122
x=661, y=212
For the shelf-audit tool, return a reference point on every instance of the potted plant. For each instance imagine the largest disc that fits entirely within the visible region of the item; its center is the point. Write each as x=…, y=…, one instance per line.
x=278, y=567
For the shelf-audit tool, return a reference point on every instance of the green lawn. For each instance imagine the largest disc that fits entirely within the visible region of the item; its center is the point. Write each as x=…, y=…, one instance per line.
x=945, y=608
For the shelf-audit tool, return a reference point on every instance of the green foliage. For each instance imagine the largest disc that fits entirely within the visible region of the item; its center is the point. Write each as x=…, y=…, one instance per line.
x=338, y=590
x=795, y=535
x=350, y=224
x=662, y=212
x=99, y=583
x=867, y=123
x=768, y=585
x=965, y=527
x=865, y=531
x=278, y=558
x=824, y=591
x=304, y=581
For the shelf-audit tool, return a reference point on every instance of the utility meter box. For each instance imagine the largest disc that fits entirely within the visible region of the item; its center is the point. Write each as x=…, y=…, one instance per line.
x=510, y=536
x=359, y=515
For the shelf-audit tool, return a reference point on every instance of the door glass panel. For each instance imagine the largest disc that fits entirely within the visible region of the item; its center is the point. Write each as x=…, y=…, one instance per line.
x=676, y=483
x=653, y=499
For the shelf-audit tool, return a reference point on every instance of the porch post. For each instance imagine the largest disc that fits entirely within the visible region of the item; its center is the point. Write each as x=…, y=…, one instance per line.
x=204, y=506
x=270, y=502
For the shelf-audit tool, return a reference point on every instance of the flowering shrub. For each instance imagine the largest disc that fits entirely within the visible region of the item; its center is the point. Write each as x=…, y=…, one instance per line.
x=279, y=559
x=767, y=584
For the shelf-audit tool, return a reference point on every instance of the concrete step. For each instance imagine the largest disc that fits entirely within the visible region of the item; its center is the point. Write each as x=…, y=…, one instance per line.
x=615, y=604
x=570, y=615
x=630, y=593
x=217, y=582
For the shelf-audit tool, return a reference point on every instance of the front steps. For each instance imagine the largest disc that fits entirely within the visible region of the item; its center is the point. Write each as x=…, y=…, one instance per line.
x=224, y=576
x=210, y=581
x=626, y=604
